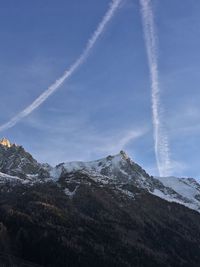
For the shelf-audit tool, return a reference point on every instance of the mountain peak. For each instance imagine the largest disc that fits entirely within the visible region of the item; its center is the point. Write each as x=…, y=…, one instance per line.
x=121, y=156
x=124, y=155
x=5, y=142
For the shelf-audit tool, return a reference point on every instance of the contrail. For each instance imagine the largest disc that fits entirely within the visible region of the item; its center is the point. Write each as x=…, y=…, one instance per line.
x=55, y=86
x=160, y=137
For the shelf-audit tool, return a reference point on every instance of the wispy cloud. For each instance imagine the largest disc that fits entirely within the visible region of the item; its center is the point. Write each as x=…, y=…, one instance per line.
x=90, y=145
x=67, y=74
x=160, y=138
x=80, y=140
x=112, y=145
x=178, y=168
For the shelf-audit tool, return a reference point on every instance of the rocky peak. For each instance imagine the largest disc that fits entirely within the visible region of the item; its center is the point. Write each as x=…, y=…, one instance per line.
x=16, y=161
x=117, y=168
x=118, y=159
x=5, y=142
x=124, y=155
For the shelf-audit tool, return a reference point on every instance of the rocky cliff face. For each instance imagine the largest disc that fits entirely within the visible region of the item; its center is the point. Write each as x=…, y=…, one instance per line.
x=14, y=160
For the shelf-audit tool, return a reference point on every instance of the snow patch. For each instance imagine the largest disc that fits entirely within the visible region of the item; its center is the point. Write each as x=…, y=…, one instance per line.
x=69, y=193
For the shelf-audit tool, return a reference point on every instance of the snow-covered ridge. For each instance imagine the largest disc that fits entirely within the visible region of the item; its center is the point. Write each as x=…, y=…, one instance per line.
x=187, y=188
x=118, y=171
x=97, y=166
x=4, y=178
x=13, y=180
x=118, y=168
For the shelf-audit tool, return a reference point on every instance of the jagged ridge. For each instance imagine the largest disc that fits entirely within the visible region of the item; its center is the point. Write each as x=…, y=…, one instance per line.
x=118, y=170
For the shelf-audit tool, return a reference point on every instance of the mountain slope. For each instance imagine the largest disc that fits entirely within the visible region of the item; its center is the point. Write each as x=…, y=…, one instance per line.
x=188, y=190
x=116, y=170
x=120, y=169
x=46, y=226
x=15, y=161
x=98, y=213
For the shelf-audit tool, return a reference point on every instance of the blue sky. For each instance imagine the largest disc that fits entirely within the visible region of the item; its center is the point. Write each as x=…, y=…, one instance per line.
x=106, y=104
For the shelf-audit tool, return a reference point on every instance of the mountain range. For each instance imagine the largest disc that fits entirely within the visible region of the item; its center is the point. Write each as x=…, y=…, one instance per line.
x=107, y=212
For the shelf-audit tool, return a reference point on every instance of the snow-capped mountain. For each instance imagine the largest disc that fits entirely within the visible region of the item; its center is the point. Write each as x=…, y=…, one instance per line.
x=118, y=172
x=86, y=213
x=112, y=169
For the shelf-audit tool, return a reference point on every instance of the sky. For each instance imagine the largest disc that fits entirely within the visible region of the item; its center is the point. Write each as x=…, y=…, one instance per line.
x=106, y=105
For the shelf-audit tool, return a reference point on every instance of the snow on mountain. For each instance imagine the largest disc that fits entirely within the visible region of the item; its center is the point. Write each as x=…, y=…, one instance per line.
x=8, y=178
x=118, y=172
x=188, y=190
x=14, y=180
x=116, y=169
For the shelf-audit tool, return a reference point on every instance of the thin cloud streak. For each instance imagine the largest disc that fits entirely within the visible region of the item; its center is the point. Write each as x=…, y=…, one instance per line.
x=86, y=145
x=160, y=138
x=120, y=142
x=55, y=86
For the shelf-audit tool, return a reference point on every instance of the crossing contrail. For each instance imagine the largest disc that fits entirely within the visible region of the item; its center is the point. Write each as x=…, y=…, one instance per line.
x=55, y=86
x=160, y=138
